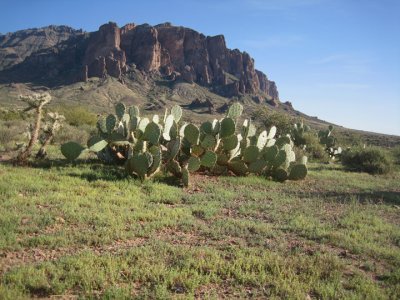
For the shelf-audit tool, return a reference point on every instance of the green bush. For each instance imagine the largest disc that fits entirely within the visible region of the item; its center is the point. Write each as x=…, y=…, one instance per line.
x=10, y=133
x=314, y=149
x=11, y=115
x=370, y=160
x=77, y=115
x=72, y=133
x=396, y=154
x=281, y=121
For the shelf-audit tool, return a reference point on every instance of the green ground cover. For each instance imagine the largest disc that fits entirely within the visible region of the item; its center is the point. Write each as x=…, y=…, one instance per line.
x=87, y=231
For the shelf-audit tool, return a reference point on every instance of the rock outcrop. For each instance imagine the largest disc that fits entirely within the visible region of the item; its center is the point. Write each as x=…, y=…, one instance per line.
x=183, y=52
x=15, y=47
x=103, y=54
x=176, y=52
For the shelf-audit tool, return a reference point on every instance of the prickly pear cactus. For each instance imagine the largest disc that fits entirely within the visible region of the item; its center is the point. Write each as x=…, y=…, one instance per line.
x=147, y=145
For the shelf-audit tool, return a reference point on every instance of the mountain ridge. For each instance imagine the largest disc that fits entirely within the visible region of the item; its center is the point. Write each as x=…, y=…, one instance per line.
x=62, y=54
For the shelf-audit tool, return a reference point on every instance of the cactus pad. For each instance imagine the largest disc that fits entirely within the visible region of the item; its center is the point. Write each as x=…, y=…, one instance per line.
x=71, y=150
x=111, y=120
x=235, y=111
x=298, y=172
x=193, y=164
x=176, y=111
x=152, y=133
x=96, y=143
x=250, y=154
x=120, y=110
x=230, y=142
x=192, y=134
x=227, y=127
x=238, y=167
x=280, y=175
x=208, y=142
x=208, y=159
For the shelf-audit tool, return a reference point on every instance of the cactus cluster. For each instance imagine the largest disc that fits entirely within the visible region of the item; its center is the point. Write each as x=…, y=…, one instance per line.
x=146, y=146
x=329, y=142
x=297, y=133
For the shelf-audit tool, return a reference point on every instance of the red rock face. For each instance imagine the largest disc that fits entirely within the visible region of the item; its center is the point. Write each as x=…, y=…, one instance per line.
x=103, y=54
x=178, y=51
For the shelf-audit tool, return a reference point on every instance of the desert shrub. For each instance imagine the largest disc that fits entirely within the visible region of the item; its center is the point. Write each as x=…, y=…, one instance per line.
x=77, y=115
x=314, y=150
x=6, y=135
x=10, y=133
x=72, y=133
x=281, y=121
x=11, y=115
x=395, y=152
x=370, y=160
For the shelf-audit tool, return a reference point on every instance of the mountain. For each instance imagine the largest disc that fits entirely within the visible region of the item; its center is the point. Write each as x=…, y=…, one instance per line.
x=57, y=55
x=153, y=67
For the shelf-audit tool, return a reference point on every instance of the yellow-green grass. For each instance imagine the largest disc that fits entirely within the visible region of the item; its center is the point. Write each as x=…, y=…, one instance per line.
x=87, y=231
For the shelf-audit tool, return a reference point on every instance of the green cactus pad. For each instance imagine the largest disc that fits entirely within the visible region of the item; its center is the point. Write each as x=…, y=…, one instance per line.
x=120, y=128
x=138, y=164
x=279, y=159
x=156, y=119
x=71, y=150
x=156, y=153
x=248, y=129
x=215, y=127
x=152, y=133
x=133, y=111
x=304, y=160
x=174, y=168
x=169, y=122
x=262, y=140
x=250, y=154
x=174, y=131
x=143, y=124
x=207, y=128
x=222, y=159
x=197, y=150
x=219, y=170
x=271, y=133
x=111, y=120
x=290, y=156
x=270, y=143
x=230, y=142
x=235, y=111
x=140, y=146
x=238, y=167
x=173, y=147
x=192, y=134
x=176, y=111
x=102, y=125
x=269, y=154
x=227, y=127
x=96, y=143
x=116, y=137
x=120, y=110
x=193, y=164
x=282, y=141
x=185, y=177
x=280, y=175
x=257, y=166
x=134, y=122
x=208, y=159
x=208, y=142
x=298, y=172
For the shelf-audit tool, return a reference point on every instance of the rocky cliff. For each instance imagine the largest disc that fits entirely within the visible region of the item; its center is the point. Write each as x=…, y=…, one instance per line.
x=177, y=53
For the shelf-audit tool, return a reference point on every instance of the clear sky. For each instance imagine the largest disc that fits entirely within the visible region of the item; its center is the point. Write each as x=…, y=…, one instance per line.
x=335, y=59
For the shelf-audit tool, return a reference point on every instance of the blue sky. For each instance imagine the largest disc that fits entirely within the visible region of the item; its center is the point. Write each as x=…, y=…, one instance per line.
x=335, y=59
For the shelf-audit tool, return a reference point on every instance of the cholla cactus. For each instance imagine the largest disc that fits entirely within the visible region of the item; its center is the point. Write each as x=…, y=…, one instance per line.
x=53, y=124
x=35, y=102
